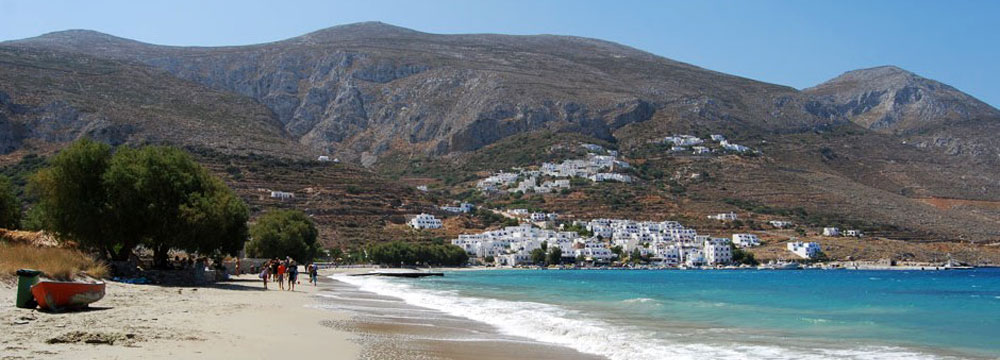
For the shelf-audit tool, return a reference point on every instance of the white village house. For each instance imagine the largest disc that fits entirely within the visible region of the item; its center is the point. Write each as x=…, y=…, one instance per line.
x=425, y=221
x=717, y=251
x=781, y=224
x=805, y=250
x=745, y=240
x=831, y=231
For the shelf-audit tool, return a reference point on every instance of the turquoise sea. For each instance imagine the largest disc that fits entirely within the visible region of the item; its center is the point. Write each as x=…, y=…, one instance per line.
x=725, y=314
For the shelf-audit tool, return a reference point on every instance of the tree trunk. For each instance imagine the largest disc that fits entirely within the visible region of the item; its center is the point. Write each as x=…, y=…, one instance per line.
x=160, y=258
x=120, y=255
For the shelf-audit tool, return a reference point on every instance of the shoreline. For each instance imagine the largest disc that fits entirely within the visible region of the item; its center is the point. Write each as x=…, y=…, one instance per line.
x=388, y=327
x=820, y=348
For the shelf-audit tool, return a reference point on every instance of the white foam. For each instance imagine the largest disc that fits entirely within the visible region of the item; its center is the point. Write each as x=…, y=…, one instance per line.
x=641, y=300
x=557, y=325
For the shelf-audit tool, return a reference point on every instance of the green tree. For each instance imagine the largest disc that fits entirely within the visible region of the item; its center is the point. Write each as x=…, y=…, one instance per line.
x=161, y=197
x=281, y=233
x=10, y=206
x=555, y=256
x=73, y=200
x=538, y=256
x=741, y=256
x=580, y=259
x=155, y=196
x=635, y=256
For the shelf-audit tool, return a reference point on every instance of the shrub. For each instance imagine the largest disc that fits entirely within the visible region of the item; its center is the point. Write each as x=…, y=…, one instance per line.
x=58, y=263
x=10, y=206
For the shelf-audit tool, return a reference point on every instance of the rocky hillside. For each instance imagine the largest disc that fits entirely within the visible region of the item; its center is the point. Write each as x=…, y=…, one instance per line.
x=361, y=90
x=48, y=98
x=891, y=100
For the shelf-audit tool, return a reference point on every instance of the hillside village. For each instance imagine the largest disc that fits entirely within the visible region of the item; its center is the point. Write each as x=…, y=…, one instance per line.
x=600, y=165
x=665, y=244
x=683, y=143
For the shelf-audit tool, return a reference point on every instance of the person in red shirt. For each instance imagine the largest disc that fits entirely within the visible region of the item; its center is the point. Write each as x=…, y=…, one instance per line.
x=281, y=275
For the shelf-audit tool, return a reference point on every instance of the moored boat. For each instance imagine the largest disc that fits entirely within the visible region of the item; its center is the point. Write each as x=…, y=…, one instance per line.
x=55, y=295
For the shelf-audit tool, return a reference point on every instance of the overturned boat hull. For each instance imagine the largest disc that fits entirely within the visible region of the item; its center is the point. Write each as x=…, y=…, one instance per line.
x=65, y=295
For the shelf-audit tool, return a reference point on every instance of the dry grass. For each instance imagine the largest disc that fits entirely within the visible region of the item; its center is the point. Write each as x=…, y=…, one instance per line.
x=55, y=262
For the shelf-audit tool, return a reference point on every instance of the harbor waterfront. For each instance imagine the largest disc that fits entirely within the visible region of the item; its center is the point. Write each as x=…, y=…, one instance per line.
x=798, y=314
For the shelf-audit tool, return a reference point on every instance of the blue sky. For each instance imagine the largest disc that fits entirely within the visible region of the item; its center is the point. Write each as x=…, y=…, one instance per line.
x=796, y=43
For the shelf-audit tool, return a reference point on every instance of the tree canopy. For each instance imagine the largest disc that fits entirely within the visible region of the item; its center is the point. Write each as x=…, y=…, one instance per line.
x=155, y=196
x=281, y=233
x=10, y=206
x=555, y=256
x=538, y=256
x=400, y=253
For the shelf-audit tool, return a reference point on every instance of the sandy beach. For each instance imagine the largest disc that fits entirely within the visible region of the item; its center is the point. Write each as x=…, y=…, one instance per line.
x=228, y=320
x=237, y=319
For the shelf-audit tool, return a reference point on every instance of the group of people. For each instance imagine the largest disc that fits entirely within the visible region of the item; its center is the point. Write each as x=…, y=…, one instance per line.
x=282, y=271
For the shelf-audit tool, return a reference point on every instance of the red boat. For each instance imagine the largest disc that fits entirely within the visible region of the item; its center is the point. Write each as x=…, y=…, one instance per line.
x=66, y=295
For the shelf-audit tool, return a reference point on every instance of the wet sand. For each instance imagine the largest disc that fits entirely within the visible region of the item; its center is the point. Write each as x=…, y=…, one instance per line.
x=388, y=328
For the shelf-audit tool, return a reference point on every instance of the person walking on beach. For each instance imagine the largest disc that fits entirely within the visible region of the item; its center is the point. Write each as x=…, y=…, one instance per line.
x=293, y=274
x=314, y=274
x=263, y=275
x=281, y=275
x=273, y=266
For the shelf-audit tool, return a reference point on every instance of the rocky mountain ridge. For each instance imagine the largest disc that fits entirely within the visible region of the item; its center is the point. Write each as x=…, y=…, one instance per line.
x=364, y=89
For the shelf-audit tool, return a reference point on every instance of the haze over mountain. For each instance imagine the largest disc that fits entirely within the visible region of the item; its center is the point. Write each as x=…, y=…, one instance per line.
x=872, y=143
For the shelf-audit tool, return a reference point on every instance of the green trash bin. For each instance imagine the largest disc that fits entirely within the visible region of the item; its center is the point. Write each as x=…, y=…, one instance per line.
x=25, y=279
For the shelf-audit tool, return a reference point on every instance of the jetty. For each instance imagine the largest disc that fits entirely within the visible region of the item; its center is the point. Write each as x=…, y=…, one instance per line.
x=405, y=274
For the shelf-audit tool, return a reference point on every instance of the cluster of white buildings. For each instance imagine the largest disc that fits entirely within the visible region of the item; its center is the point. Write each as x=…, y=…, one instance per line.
x=533, y=216
x=730, y=216
x=425, y=221
x=594, y=167
x=282, y=195
x=461, y=208
x=324, y=158
x=684, y=143
x=666, y=243
x=832, y=231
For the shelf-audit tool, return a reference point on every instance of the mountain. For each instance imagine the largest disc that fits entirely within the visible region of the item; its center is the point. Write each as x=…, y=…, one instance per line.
x=48, y=98
x=882, y=149
x=891, y=100
x=364, y=89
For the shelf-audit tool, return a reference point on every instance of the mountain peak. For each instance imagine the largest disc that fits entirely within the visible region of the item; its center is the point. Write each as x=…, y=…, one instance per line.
x=887, y=76
x=891, y=99
x=79, y=35
x=356, y=30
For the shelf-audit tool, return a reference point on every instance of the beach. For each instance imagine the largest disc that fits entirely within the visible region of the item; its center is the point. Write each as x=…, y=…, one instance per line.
x=237, y=319
x=532, y=314
x=227, y=320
